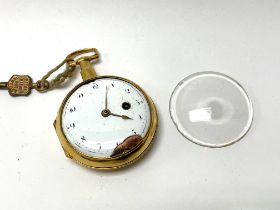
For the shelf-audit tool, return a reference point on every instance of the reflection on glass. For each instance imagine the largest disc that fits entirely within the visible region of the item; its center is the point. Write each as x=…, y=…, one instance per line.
x=199, y=115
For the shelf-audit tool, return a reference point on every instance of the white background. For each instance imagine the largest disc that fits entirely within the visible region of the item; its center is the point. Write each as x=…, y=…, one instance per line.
x=156, y=44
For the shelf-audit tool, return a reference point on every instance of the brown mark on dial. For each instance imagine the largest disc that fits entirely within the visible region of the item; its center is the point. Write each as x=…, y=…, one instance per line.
x=128, y=144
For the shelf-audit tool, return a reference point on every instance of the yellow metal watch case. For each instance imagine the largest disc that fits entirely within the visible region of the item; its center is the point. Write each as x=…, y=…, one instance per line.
x=113, y=162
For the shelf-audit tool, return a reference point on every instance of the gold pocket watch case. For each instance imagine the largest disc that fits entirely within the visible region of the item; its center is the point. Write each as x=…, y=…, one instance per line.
x=105, y=122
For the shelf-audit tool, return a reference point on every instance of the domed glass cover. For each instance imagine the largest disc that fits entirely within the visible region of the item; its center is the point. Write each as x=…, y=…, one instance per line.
x=211, y=109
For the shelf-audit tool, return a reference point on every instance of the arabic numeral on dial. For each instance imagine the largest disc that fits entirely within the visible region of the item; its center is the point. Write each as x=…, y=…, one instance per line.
x=72, y=125
x=73, y=109
x=139, y=102
x=140, y=117
x=133, y=131
x=127, y=90
x=94, y=86
x=81, y=95
x=83, y=138
x=99, y=146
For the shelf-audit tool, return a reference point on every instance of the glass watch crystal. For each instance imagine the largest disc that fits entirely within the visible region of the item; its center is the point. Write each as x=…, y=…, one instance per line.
x=211, y=109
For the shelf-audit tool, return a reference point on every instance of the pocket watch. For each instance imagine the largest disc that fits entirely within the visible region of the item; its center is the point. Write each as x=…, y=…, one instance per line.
x=105, y=122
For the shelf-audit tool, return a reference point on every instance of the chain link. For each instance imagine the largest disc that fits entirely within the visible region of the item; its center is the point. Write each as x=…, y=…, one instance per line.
x=44, y=85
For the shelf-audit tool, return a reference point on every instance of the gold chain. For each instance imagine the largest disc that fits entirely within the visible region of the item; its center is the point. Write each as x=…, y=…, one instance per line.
x=22, y=84
x=45, y=85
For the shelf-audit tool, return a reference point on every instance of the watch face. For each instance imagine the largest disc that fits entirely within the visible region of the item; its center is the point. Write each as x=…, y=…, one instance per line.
x=106, y=118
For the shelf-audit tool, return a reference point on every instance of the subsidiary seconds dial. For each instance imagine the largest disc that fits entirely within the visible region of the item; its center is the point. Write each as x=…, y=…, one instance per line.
x=106, y=118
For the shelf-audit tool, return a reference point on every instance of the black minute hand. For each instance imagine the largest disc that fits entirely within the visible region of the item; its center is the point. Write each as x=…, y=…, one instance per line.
x=106, y=98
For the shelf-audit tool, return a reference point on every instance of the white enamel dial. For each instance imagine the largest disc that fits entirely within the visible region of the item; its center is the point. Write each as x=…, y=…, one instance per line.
x=96, y=133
